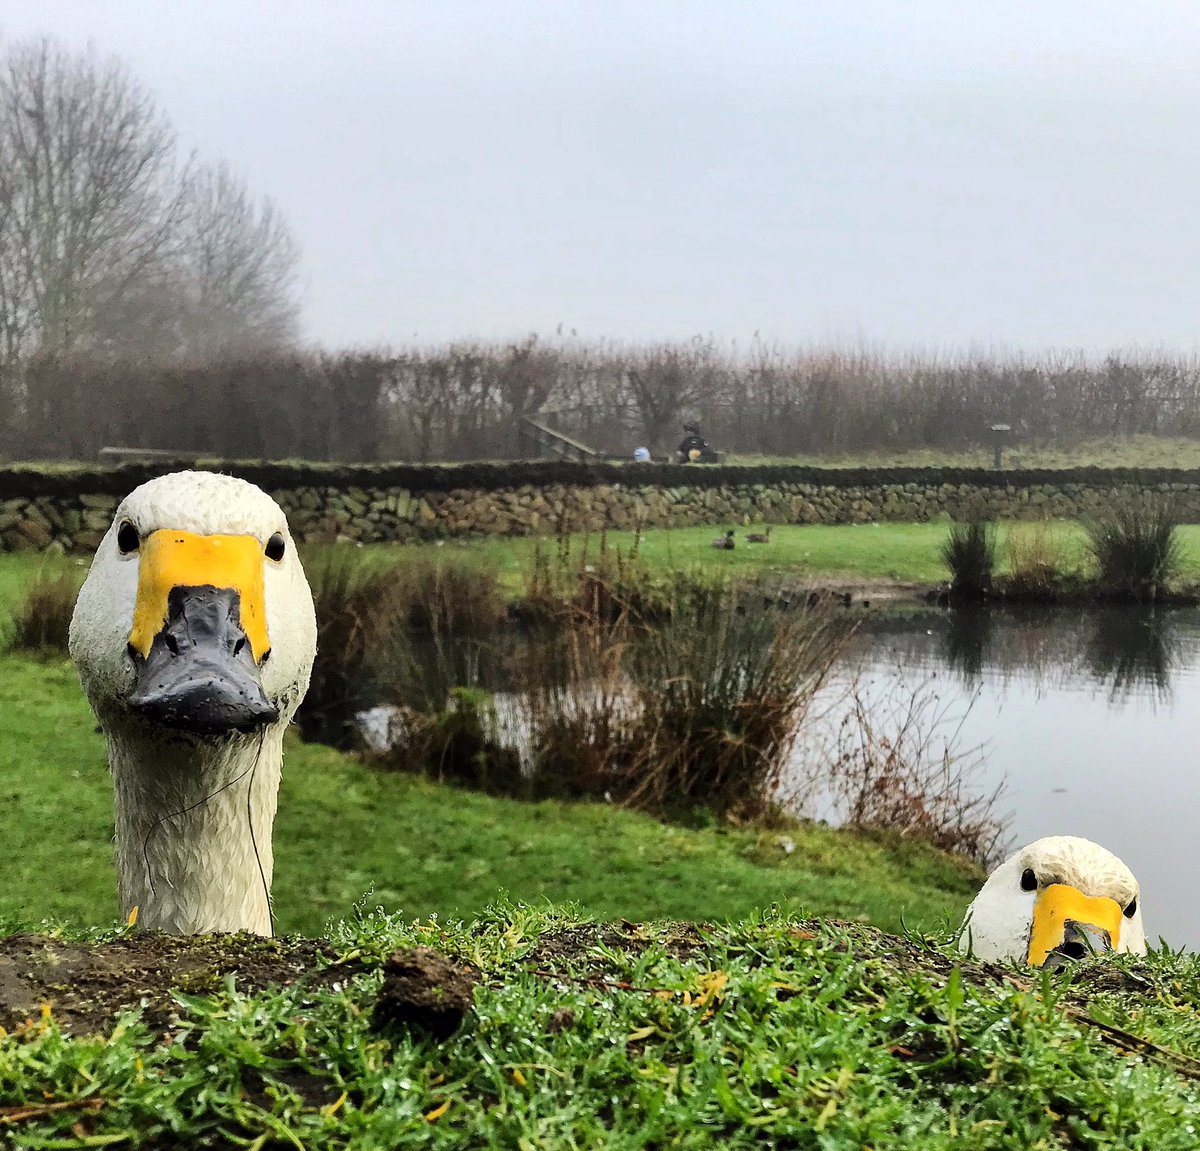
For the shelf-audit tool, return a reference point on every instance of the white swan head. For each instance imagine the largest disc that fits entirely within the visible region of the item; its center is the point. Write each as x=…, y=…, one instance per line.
x=195, y=616
x=1057, y=899
x=194, y=635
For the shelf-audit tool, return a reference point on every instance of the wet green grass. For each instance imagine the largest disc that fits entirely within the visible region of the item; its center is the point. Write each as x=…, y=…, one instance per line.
x=763, y=1033
x=904, y=553
x=889, y=552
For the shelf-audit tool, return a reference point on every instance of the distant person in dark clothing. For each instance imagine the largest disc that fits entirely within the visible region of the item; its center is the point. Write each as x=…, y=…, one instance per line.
x=693, y=445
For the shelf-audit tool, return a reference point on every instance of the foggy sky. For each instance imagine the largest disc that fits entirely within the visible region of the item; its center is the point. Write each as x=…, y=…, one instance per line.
x=928, y=174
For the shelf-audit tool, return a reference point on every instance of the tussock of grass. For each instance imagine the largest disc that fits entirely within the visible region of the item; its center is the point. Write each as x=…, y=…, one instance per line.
x=43, y=619
x=969, y=551
x=691, y=713
x=769, y=1032
x=1136, y=547
x=723, y=689
x=1036, y=561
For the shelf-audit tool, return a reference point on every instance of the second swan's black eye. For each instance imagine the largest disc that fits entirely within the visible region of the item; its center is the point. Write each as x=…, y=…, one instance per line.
x=1028, y=880
x=127, y=538
x=1131, y=908
x=275, y=547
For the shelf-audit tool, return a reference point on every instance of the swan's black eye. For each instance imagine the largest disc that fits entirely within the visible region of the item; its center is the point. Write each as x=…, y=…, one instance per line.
x=275, y=547
x=1131, y=908
x=127, y=538
x=1028, y=880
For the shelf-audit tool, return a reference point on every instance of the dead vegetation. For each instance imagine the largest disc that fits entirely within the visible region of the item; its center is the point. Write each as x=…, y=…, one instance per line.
x=42, y=621
x=899, y=766
x=466, y=401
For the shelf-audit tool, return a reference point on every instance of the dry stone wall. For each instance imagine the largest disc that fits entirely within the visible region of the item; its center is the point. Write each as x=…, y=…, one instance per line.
x=69, y=510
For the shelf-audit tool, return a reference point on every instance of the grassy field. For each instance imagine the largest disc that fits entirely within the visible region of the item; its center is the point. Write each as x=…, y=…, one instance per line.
x=422, y=849
x=1111, y=452
x=888, y=553
x=906, y=553
x=762, y=1029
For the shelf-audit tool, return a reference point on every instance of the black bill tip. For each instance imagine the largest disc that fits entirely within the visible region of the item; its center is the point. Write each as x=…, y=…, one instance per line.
x=1080, y=941
x=200, y=675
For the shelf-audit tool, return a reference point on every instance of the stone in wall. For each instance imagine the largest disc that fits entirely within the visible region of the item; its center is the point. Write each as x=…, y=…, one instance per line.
x=370, y=513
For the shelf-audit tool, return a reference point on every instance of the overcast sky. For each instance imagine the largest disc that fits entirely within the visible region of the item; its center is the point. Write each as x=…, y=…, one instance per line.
x=923, y=174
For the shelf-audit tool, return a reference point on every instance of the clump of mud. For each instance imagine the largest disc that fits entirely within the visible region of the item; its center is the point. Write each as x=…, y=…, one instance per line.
x=87, y=985
x=423, y=990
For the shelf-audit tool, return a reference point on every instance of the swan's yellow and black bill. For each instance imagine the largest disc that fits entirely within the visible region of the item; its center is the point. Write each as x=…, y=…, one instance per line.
x=1069, y=924
x=199, y=634
x=169, y=560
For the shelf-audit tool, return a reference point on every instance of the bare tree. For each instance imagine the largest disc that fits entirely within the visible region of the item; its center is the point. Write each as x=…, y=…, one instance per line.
x=526, y=375
x=89, y=198
x=666, y=382
x=238, y=262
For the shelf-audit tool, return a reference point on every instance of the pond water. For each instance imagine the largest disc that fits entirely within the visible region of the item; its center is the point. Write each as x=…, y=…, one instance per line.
x=1091, y=717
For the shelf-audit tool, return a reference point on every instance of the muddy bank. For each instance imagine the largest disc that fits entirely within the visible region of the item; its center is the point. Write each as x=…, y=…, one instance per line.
x=86, y=986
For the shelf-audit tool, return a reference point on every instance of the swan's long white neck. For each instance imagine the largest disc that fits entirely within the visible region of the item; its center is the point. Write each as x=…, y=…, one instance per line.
x=194, y=812
x=193, y=828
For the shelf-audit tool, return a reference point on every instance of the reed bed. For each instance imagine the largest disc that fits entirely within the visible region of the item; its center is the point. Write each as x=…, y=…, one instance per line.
x=684, y=698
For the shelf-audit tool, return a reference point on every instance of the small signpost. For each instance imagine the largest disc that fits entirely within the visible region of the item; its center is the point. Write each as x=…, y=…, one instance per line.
x=999, y=434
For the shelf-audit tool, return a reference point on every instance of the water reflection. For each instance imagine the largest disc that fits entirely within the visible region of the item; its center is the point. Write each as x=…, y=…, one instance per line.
x=1090, y=717
x=1135, y=650
x=968, y=640
x=1126, y=651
